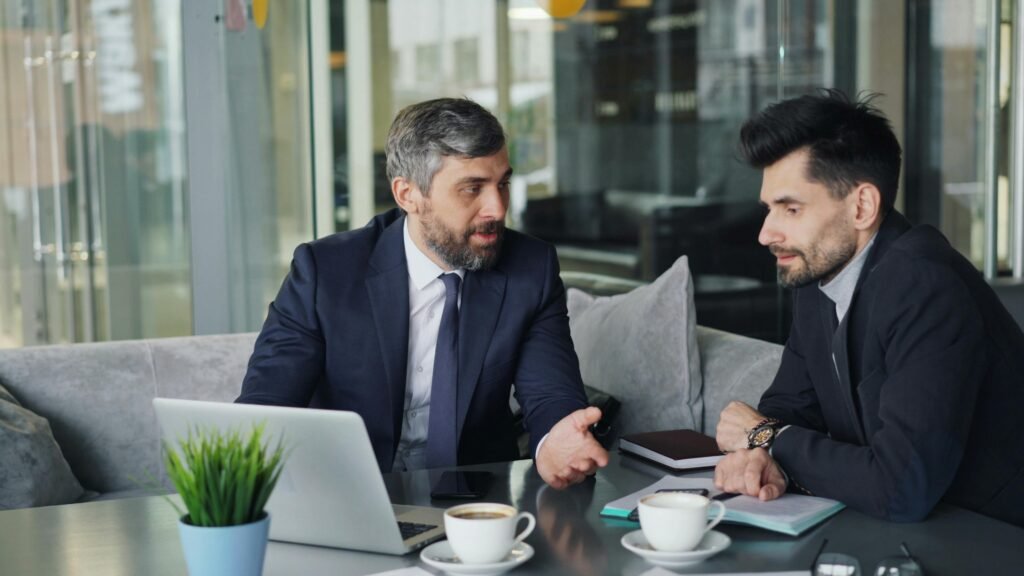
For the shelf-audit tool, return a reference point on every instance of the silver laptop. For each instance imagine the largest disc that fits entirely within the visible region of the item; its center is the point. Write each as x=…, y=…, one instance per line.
x=330, y=492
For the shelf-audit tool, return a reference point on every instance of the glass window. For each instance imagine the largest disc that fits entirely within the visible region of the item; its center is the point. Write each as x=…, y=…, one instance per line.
x=948, y=137
x=97, y=202
x=93, y=206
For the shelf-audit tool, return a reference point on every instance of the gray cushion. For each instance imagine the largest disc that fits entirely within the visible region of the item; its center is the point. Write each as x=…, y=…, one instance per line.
x=33, y=471
x=735, y=368
x=97, y=398
x=641, y=348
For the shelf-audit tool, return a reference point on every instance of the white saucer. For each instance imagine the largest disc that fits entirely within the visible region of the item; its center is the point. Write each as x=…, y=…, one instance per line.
x=439, y=555
x=712, y=543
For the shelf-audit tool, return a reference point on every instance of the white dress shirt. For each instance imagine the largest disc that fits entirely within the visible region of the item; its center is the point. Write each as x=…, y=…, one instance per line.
x=426, y=303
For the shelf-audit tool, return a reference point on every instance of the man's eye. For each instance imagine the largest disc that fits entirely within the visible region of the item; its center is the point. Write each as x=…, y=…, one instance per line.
x=472, y=190
x=792, y=210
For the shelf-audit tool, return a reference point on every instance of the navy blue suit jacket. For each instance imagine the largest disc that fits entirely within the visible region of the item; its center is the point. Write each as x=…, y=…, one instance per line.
x=337, y=337
x=923, y=400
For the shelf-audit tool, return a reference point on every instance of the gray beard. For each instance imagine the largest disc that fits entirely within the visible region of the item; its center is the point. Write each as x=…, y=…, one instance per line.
x=457, y=252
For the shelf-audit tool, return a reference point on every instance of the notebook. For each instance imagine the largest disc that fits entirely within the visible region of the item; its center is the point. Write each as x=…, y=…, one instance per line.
x=676, y=449
x=791, y=514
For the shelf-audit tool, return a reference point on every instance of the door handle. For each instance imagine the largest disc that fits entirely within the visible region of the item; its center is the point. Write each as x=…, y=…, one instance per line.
x=55, y=163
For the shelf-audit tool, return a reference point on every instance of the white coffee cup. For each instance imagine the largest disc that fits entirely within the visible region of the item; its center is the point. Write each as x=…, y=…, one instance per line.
x=482, y=532
x=676, y=521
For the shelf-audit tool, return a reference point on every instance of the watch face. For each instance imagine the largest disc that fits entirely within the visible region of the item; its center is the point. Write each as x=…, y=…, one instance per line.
x=762, y=436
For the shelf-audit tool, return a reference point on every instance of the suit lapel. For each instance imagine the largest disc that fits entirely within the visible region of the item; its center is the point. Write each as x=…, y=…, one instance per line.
x=854, y=326
x=482, y=297
x=850, y=333
x=840, y=355
x=388, y=288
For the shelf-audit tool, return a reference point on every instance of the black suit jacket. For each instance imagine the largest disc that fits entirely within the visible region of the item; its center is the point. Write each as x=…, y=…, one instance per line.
x=337, y=337
x=923, y=401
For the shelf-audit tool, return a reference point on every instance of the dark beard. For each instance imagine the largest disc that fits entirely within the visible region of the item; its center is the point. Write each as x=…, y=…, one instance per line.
x=457, y=252
x=825, y=266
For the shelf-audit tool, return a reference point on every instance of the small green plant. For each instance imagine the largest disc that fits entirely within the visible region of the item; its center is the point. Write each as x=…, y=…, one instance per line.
x=223, y=479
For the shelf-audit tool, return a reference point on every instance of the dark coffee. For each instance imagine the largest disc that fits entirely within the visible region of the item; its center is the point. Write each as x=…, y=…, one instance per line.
x=480, y=515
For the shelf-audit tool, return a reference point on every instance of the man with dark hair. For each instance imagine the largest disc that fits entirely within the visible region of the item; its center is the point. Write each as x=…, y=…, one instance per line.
x=422, y=320
x=900, y=384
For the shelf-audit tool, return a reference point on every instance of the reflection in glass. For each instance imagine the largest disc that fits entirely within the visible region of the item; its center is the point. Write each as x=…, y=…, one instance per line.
x=623, y=117
x=561, y=518
x=94, y=233
x=946, y=141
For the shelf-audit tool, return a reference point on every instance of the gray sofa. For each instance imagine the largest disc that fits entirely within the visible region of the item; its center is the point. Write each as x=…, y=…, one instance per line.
x=97, y=397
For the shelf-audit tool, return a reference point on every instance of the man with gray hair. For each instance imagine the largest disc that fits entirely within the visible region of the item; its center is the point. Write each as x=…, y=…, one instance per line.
x=424, y=319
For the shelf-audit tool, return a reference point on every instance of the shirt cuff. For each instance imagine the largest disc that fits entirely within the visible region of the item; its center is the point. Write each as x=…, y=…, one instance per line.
x=777, y=434
x=772, y=447
x=539, y=444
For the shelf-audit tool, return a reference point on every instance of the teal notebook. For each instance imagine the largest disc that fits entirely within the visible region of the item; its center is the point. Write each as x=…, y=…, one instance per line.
x=791, y=514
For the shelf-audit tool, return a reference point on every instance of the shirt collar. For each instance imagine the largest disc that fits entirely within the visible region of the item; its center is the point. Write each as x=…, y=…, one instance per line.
x=840, y=289
x=422, y=270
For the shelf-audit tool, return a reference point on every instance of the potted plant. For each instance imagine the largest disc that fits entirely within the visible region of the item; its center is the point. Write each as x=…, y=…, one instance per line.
x=224, y=481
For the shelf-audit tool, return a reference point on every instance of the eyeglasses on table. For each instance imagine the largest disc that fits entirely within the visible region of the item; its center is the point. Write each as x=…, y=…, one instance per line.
x=838, y=564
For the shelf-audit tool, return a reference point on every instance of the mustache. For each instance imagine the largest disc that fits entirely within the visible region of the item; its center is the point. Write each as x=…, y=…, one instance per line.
x=492, y=227
x=782, y=251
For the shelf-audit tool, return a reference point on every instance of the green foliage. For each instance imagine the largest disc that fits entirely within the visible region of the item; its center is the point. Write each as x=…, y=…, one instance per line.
x=223, y=479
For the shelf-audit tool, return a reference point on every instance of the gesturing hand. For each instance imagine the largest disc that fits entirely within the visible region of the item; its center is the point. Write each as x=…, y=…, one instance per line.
x=570, y=453
x=751, y=472
x=733, y=425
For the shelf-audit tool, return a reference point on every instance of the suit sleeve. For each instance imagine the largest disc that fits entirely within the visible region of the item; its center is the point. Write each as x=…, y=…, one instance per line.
x=288, y=360
x=791, y=398
x=548, y=384
x=932, y=335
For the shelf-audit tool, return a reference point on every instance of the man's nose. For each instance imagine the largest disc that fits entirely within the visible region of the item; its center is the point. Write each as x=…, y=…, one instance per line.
x=494, y=204
x=769, y=233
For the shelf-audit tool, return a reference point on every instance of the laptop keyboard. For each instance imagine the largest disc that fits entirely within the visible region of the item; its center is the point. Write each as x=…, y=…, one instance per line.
x=410, y=529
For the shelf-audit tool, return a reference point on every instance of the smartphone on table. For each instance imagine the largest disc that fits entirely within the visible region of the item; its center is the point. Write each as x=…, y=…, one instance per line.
x=454, y=485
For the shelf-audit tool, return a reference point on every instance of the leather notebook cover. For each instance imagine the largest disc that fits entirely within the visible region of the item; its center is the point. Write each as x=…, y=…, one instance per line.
x=675, y=448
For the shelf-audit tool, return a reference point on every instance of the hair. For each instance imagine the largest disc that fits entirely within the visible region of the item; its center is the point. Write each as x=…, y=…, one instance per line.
x=848, y=143
x=422, y=134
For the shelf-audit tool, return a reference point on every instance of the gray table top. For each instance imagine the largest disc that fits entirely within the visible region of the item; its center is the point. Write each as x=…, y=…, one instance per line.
x=140, y=535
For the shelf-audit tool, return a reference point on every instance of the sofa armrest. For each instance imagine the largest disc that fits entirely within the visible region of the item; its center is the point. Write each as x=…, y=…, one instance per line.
x=734, y=367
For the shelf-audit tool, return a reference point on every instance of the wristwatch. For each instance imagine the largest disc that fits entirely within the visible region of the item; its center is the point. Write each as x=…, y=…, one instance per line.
x=763, y=434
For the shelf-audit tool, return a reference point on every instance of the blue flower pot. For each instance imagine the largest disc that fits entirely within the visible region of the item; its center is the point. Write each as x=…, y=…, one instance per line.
x=225, y=551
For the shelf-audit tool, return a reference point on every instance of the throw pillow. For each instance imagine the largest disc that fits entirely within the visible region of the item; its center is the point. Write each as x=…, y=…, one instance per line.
x=33, y=471
x=641, y=348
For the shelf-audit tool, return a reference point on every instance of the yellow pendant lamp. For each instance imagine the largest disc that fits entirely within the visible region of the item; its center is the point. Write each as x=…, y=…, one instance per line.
x=259, y=13
x=562, y=8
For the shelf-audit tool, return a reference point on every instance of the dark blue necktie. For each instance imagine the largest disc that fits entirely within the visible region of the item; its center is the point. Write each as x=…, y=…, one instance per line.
x=442, y=437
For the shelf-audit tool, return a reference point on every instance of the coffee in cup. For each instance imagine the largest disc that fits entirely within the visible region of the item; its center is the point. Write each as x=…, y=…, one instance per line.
x=676, y=521
x=482, y=533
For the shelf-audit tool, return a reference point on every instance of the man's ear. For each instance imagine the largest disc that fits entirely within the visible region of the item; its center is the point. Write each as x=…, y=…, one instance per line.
x=406, y=194
x=867, y=206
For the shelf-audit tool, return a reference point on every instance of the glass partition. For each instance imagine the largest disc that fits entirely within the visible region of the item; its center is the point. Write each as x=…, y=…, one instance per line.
x=957, y=155
x=250, y=154
x=622, y=119
x=107, y=156
x=93, y=218
x=158, y=166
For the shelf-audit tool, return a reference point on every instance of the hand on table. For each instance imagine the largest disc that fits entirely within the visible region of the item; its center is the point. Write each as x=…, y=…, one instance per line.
x=570, y=453
x=736, y=421
x=751, y=472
